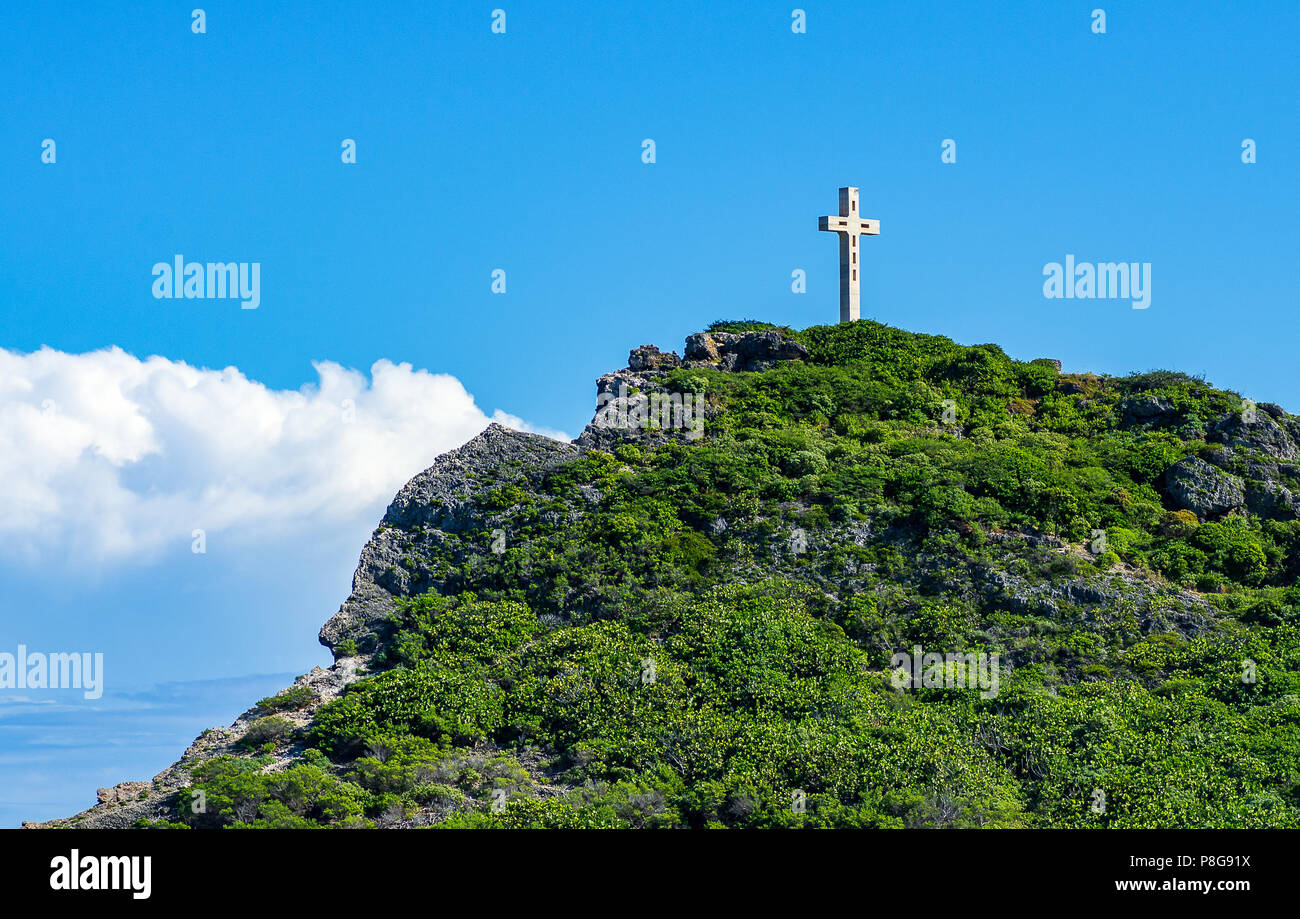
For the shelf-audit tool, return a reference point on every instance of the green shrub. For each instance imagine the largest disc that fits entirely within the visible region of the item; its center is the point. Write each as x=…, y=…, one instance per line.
x=292, y=699
x=273, y=729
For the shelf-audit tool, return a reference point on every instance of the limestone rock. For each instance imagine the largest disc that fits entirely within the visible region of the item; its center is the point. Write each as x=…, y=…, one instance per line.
x=760, y=350
x=1145, y=409
x=122, y=793
x=436, y=499
x=1206, y=490
x=701, y=347
x=1263, y=434
x=1271, y=499
x=748, y=352
x=649, y=357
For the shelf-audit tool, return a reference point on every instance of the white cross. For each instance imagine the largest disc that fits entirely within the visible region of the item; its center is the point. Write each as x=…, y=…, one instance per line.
x=849, y=225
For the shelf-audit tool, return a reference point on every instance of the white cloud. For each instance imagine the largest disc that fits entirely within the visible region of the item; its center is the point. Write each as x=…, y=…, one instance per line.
x=107, y=458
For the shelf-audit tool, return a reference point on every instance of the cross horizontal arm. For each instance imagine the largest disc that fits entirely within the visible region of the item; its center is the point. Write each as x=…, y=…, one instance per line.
x=849, y=225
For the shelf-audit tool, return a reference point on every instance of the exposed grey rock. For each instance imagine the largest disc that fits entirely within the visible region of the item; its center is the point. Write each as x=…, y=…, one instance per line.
x=649, y=357
x=1272, y=500
x=749, y=352
x=436, y=499
x=122, y=793
x=760, y=350
x=629, y=380
x=1195, y=485
x=631, y=404
x=1263, y=434
x=1090, y=592
x=702, y=347
x=1144, y=409
x=620, y=397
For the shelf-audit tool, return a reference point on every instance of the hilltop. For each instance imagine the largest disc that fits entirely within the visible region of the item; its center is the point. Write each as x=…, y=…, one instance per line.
x=689, y=619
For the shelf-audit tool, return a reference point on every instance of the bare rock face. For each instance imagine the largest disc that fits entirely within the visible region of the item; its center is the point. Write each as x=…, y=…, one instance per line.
x=122, y=793
x=649, y=357
x=1205, y=490
x=633, y=390
x=1146, y=409
x=752, y=351
x=701, y=347
x=1247, y=464
x=761, y=350
x=1271, y=499
x=1269, y=437
x=435, y=500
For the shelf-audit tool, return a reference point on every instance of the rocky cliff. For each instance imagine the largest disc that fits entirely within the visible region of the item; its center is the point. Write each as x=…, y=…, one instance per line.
x=689, y=614
x=435, y=504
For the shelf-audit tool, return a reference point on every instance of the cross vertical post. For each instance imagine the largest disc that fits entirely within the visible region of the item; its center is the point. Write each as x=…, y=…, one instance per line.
x=849, y=226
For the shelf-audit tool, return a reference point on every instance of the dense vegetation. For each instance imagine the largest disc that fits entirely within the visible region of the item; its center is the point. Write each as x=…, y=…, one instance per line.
x=699, y=633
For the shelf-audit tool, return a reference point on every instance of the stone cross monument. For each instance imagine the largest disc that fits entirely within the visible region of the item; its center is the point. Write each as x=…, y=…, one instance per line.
x=849, y=225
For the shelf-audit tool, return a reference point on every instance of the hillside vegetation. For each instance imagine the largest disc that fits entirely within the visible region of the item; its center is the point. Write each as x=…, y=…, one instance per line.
x=655, y=630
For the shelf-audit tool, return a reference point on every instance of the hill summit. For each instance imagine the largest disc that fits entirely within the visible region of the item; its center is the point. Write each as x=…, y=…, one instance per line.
x=841, y=576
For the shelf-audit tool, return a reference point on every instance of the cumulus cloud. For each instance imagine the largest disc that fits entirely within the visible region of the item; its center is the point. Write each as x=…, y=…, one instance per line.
x=105, y=457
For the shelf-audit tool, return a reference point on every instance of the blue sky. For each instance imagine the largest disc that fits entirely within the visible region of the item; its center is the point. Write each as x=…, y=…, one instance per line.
x=522, y=151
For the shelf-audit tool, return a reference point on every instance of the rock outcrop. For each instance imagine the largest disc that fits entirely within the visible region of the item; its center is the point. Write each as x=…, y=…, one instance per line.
x=649, y=357
x=658, y=413
x=1248, y=463
x=1205, y=490
x=437, y=500
x=742, y=352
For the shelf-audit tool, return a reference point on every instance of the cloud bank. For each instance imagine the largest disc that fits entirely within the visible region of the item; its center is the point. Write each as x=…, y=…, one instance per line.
x=106, y=458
